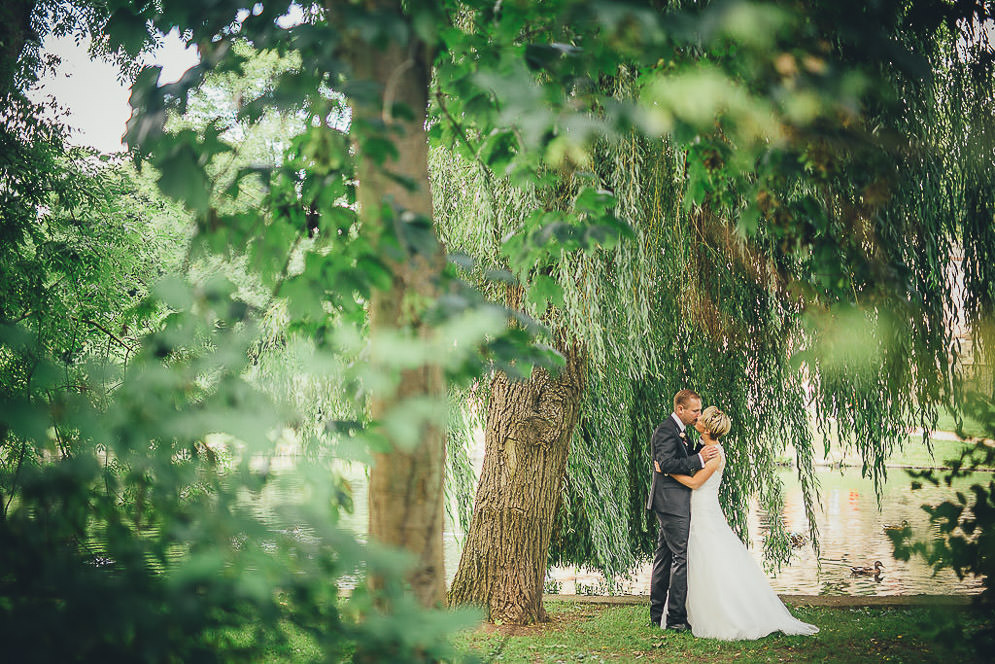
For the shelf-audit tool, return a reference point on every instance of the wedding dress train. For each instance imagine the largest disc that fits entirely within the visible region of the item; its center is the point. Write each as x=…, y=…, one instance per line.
x=729, y=597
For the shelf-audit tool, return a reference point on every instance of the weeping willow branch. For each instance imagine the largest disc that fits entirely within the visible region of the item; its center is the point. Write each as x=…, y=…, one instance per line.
x=755, y=324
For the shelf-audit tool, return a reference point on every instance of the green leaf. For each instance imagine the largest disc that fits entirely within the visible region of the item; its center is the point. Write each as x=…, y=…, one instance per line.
x=375, y=271
x=545, y=291
x=127, y=30
x=174, y=292
x=749, y=221
x=499, y=150
x=379, y=149
x=183, y=178
x=595, y=201
x=303, y=302
x=697, y=186
x=338, y=218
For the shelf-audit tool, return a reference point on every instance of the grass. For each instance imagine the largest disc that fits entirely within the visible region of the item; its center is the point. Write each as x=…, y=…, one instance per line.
x=946, y=422
x=600, y=633
x=913, y=453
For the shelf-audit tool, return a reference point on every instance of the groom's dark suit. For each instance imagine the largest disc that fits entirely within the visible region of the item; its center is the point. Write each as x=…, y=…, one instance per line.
x=671, y=501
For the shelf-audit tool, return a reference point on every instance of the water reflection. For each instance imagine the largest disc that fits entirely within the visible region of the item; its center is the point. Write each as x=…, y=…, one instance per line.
x=852, y=534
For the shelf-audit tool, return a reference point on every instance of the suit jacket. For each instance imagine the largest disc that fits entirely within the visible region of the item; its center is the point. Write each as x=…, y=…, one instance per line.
x=667, y=495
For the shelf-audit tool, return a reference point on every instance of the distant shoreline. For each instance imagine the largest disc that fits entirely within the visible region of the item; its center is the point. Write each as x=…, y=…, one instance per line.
x=890, y=466
x=952, y=435
x=945, y=448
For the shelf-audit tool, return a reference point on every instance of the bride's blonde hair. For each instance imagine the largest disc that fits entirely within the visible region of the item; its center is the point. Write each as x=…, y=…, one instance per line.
x=715, y=422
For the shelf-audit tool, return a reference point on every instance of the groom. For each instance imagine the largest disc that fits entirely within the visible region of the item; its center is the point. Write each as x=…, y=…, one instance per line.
x=671, y=501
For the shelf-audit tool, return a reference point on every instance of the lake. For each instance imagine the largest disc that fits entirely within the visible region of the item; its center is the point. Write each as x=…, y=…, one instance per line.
x=851, y=534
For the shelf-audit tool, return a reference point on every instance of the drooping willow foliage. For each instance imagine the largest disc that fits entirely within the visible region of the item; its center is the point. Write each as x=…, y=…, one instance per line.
x=630, y=306
x=968, y=150
x=915, y=207
x=839, y=311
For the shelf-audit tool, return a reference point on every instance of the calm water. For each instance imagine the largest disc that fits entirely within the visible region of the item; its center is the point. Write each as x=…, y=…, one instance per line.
x=850, y=526
x=851, y=531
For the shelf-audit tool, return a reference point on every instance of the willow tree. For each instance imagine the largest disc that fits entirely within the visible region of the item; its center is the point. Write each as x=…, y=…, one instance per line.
x=603, y=303
x=759, y=265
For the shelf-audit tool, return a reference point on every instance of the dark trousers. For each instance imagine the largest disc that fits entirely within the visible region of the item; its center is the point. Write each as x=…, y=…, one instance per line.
x=670, y=569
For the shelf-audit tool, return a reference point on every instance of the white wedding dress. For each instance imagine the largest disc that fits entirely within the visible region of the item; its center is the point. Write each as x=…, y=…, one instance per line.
x=729, y=597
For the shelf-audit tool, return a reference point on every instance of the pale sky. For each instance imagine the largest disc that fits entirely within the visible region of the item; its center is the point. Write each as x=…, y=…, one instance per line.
x=96, y=101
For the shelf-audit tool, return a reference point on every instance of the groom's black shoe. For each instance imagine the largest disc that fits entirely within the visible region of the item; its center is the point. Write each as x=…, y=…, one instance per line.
x=680, y=627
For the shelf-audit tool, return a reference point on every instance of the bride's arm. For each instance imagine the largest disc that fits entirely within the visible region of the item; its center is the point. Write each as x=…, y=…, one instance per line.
x=696, y=480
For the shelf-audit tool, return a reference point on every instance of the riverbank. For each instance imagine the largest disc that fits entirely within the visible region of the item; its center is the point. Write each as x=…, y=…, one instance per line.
x=944, y=446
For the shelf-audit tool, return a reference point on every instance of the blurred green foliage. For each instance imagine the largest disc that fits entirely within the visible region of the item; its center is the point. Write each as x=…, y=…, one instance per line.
x=962, y=538
x=158, y=354
x=139, y=427
x=128, y=525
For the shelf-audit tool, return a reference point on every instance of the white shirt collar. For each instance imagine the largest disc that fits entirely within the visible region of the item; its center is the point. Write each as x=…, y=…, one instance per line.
x=680, y=425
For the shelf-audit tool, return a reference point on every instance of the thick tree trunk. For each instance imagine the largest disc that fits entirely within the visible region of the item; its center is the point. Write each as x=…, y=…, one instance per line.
x=406, y=503
x=529, y=425
x=15, y=33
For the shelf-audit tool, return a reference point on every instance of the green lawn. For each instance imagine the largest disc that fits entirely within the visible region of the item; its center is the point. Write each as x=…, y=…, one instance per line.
x=913, y=453
x=591, y=633
x=972, y=427
x=599, y=633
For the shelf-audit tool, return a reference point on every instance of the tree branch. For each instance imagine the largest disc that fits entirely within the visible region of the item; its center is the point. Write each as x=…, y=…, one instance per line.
x=105, y=331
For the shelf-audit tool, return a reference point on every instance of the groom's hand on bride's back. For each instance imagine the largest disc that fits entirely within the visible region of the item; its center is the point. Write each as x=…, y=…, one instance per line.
x=709, y=452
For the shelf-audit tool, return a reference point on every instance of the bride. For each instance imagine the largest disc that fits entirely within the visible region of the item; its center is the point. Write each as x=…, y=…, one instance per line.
x=729, y=597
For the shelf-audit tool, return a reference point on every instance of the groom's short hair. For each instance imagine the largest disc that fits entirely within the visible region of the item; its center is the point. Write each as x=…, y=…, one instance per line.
x=682, y=398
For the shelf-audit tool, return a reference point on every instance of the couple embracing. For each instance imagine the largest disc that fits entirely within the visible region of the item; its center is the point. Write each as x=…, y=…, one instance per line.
x=704, y=579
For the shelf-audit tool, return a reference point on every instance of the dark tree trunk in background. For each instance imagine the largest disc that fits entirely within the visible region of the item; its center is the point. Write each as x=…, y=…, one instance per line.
x=15, y=33
x=529, y=426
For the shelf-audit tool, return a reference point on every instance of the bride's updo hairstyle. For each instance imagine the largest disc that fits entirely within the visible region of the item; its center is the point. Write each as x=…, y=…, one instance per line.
x=715, y=422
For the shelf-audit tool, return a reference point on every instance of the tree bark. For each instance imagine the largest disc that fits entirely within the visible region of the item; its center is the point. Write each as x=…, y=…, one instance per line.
x=406, y=500
x=529, y=425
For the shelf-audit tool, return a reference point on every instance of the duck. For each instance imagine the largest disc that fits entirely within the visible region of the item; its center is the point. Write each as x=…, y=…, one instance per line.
x=896, y=526
x=868, y=571
x=797, y=539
